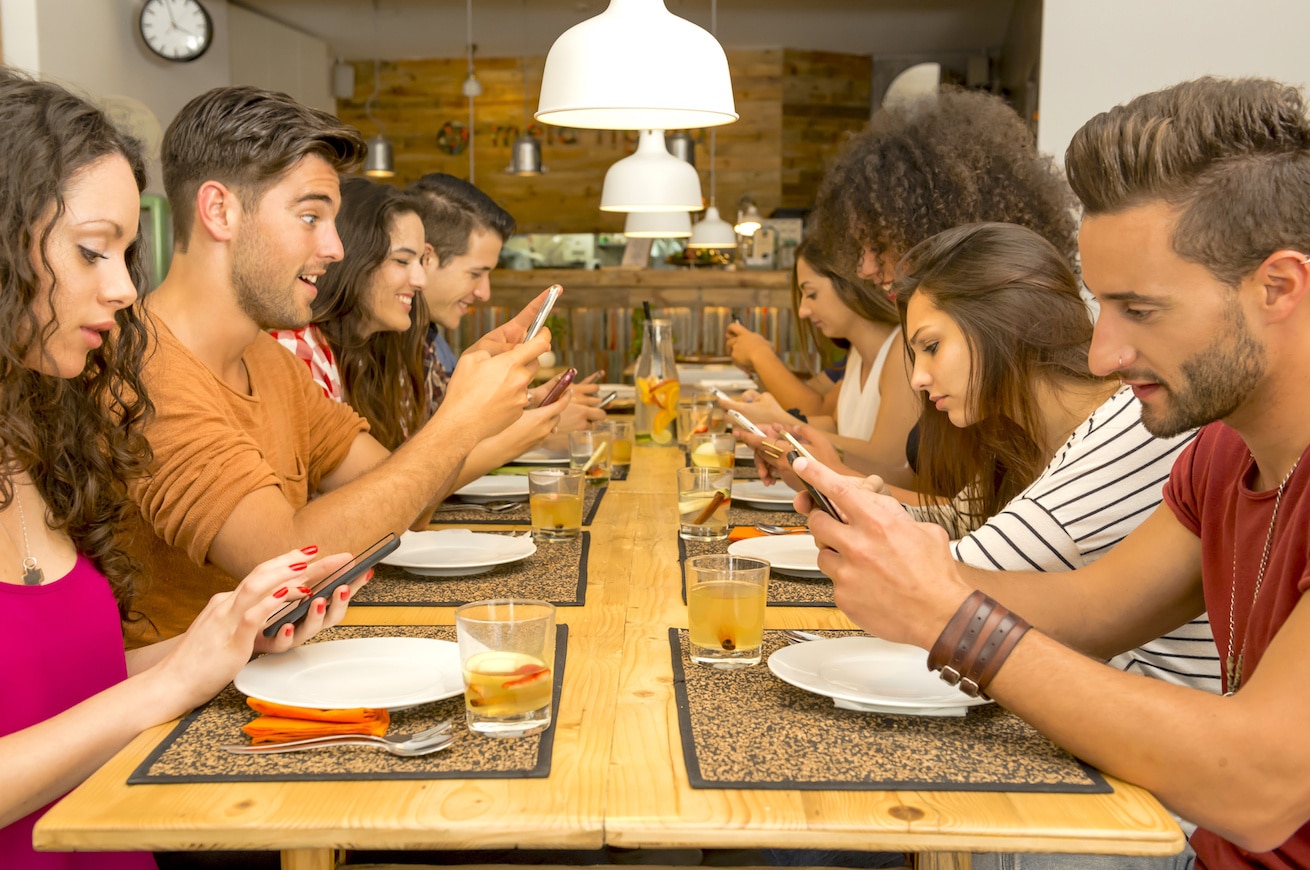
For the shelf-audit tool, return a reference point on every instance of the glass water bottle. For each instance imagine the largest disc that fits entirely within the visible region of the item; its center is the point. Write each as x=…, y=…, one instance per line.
x=657, y=385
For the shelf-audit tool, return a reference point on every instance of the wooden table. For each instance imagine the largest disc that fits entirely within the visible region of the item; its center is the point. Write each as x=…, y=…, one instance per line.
x=618, y=776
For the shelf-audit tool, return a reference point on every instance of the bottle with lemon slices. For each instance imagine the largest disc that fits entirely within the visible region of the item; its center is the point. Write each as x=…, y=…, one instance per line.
x=657, y=385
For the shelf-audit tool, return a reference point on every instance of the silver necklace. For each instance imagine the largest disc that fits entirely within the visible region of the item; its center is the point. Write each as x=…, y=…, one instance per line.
x=32, y=575
x=1234, y=660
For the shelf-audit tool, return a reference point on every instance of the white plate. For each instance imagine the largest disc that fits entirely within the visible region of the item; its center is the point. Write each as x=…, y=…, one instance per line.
x=542, y=456
x=361, y=672
x=457, y=552
x=626, y=392
x=870, y=675
x=495, y=487
x=796, y=555
x=757, y=495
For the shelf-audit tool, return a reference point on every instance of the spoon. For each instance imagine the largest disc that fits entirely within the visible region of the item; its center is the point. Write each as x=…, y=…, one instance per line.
x=771, y=529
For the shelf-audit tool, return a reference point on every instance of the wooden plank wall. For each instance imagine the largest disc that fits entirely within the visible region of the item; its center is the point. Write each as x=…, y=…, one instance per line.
x=790, y=118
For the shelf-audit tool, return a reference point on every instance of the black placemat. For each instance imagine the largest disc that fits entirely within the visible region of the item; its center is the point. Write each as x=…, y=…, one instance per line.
x=557, y=573
x=748, y=729
x=519, y=515
x=192, y=753
x=783, y=590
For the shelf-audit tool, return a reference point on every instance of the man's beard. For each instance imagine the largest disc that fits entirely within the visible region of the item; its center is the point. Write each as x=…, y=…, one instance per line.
x=258, y=298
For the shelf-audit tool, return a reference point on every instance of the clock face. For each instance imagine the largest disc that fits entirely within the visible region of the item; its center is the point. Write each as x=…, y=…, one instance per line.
x=176, y=29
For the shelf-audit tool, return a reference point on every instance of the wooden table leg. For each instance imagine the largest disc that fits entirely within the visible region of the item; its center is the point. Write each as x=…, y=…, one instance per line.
x=309, y=859
x=939, y=861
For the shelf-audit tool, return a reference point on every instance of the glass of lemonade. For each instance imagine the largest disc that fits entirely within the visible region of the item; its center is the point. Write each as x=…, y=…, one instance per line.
x=591, y=451
x=623, y=437
x=555, y=498
x=703, y=497
x=712, y=450
x=507, y=653
x=695, y=414
x=725, y=609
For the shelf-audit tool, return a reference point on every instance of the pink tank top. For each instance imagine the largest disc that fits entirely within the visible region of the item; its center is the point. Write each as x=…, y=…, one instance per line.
x=61, y=644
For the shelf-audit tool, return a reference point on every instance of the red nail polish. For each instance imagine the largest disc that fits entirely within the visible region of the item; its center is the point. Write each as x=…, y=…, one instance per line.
x=320, y=606
x=345, y=593
x=304, y=590
x=299, y=566
x=310, y=550
x=288, y=631
x=281, y=592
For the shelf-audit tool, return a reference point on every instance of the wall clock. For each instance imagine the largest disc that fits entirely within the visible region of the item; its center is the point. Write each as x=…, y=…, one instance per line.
x=177, y=30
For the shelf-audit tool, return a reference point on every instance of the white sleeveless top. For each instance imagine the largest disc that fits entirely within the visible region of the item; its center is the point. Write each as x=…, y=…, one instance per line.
x=857, y=406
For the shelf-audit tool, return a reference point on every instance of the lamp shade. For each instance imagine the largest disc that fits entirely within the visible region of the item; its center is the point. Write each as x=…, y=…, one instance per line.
x=525, y=158
x=748, y=221
x=658, y=225
x=713, y=232
x=379, y=162
x=651, y=179
x=636, y=66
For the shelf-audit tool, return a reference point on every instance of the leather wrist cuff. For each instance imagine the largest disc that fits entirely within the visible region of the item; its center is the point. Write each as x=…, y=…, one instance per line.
x=975, y=643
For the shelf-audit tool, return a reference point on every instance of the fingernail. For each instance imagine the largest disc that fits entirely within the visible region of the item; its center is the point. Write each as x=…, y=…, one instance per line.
x=304, y=590
x=299, y=566
x=288, y=631
x=281, y=592
x=310, y=550
x=369, y=575
x=345, y=593
x=320, y=606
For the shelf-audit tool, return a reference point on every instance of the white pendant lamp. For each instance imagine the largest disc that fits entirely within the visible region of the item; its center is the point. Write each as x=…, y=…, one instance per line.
x=652, y=179
x=658, y=225
x=748, y=219
x=636, y=66
x=713, y=232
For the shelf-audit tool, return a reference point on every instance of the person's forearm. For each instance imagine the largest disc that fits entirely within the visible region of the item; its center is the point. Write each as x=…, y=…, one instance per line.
x=789, y=390
x=864, y=458
x=489, y=454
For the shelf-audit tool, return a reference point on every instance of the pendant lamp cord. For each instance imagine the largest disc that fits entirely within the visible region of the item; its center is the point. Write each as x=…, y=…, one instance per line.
x=472, y=138
x=714, y=31
x=377, y=63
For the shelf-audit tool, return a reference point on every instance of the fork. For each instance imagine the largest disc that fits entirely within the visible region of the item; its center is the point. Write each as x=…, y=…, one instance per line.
x=494, y=507
x=433, y=739
x=796, y=636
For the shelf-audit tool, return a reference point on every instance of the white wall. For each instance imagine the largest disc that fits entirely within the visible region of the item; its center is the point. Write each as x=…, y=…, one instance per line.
x=1096, y=55
x=268, y=54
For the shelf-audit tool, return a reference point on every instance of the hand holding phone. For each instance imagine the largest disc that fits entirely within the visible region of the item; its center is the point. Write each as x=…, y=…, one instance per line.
x=553, y=292
x=821, y=501
x=560, y=386
x=739, y=420
x=609, y=397
x=720, y=395
x=295, y=611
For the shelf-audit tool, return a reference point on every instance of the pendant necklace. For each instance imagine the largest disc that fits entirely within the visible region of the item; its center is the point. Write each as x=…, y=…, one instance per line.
x=32, y=575
x=1233, y=661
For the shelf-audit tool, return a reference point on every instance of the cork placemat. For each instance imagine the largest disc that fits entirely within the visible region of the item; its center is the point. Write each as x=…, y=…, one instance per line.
x=454, y=511
x=557, y=573
x=781, y=737
x=192, y=751
x=783, y=590
x=740, y=514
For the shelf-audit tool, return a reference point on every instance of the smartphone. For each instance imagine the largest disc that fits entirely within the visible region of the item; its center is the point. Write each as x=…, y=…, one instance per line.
x=821, y=501
x=294, y=611
x=593, y=377
x=721, y=396
x=553, y=292
x=740, y=421
x=560, y=386
x=609, y=397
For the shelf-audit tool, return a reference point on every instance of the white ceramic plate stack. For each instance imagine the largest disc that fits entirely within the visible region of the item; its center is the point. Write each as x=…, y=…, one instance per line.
x=542, y=456
x=795, y=555
x=769, y=498
x=457, y=552
x=870, y=675
x=496, y=487
x=390, y=672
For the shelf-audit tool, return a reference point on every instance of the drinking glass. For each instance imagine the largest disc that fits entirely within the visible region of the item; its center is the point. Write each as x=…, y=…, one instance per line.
x=590, y=451
x=712, y=450
x=507, y=654
x=725, y=609
x=622, y=440
x=694, y=415
x=555, y=499
x=703, y=496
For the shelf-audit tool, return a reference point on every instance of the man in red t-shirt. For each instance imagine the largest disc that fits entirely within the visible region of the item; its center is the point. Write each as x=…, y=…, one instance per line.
x=1196, y=243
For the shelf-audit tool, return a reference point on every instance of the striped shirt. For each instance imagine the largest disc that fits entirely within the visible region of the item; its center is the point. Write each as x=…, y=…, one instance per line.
x=1105, y=480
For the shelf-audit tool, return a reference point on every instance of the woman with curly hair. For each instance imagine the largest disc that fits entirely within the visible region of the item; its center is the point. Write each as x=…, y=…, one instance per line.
x=365, y=341
x=71, y=412
x=917, y=169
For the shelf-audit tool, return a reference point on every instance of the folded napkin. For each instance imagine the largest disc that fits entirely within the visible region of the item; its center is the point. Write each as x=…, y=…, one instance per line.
x=741, y=533
x=279, y=723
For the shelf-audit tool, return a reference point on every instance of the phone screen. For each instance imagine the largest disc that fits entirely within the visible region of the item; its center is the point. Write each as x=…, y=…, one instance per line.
x=553, y=291
x=295, y=611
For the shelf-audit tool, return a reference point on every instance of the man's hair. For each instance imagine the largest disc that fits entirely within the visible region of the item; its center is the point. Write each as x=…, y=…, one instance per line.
x=942, y=161
x=246, y=138
x=452, y=210
x=1232, y=156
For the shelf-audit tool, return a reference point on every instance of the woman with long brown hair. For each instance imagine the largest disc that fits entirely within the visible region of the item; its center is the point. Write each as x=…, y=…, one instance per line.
x=71, y=410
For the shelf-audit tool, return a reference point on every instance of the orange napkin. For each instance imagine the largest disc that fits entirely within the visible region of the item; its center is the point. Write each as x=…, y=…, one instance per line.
x=741, y=533
x=279, y=723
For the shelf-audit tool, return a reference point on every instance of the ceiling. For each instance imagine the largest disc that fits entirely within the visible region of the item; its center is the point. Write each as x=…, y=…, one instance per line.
x=393, y=29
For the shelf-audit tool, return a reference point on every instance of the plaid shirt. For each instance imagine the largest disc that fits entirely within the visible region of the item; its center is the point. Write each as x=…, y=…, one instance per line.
x=309, y=345
x=434, y=348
